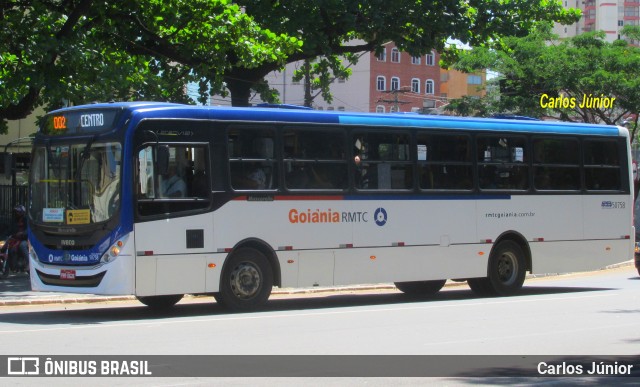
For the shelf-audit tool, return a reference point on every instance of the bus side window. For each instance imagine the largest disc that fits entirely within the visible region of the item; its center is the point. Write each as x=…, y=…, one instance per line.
x=252, y=162
x=181, y=189
x=444, y=161
x=503, y=163
x=146, y=186
x=602, y=165
x=556, y=164
x=315, y=159
x=383, y=161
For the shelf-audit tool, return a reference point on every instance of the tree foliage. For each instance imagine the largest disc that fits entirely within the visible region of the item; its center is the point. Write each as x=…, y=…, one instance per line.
x=57, y=51
x=538, y=69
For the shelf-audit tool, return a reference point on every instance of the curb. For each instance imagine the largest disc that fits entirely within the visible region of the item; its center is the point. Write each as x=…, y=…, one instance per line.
x=91, y=299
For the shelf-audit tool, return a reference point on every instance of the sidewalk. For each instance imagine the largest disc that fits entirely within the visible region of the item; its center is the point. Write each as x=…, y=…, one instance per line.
x=16, y=290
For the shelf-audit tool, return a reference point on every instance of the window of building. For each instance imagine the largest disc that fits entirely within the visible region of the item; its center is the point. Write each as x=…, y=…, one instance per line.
x=395, y=83
x=381, y=83
x=415, y=60
x=430, y=59
x=629, y=11
x=474, y=79
x=380, y=109
x=395, y=55
x=382, y=57
x=429, y=87
x=415, y=85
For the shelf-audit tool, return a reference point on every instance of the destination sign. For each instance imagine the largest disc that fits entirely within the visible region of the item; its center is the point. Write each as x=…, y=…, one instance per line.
x=80, y=121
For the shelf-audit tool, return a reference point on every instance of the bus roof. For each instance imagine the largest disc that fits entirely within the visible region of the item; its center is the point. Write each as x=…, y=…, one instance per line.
x=261, y=114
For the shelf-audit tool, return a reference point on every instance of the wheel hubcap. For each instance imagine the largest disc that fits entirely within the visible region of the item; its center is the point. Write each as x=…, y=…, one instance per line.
x=245, y=280
x=507, y=268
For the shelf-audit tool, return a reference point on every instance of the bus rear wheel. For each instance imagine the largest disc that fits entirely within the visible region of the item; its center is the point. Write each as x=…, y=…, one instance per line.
x=420, y=288
x=247, y=280
x=160, y=302
x=506, y=271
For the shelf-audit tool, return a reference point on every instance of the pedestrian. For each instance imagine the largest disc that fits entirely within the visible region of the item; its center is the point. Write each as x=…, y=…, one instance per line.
x=16, y=246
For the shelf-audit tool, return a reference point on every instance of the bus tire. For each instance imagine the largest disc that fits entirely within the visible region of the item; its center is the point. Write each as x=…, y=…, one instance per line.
x=420, y=288
x=160, y=302
x=507, y=268
x=247, y=280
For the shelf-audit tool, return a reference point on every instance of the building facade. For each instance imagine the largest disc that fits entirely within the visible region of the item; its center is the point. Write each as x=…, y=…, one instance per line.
x=392, y=81
x=601, y=15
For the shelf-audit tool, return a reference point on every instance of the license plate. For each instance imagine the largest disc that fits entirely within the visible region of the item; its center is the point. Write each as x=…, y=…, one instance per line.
x=67, y=274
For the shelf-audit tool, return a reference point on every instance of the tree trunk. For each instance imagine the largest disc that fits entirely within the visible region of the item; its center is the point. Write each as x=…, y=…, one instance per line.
x=240, y=92
x=308, y=99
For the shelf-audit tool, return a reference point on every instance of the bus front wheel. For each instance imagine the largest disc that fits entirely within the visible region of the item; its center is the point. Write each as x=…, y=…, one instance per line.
x=161, y=302
x=247, y=280
x=421, y=288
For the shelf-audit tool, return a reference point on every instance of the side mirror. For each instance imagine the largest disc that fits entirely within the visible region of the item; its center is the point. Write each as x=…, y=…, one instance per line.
x=162, y=159
x=8, y=164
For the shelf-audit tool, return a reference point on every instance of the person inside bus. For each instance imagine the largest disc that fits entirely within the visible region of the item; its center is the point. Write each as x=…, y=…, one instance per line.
x=259, y=172
x=172, y=185
x=16, y=246
x=255, y=179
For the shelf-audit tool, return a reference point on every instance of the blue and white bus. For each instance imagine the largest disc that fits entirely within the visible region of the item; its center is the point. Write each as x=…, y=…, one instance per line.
x=159, y=200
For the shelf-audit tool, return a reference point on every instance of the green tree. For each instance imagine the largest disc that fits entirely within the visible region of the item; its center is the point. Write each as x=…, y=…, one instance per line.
x=82, y=50
x=336, y=31
x=52, y=52
x=541, y=76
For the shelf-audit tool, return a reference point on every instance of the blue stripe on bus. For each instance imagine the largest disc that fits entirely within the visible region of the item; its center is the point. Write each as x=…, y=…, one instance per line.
x=481, y=124
x=166, y=110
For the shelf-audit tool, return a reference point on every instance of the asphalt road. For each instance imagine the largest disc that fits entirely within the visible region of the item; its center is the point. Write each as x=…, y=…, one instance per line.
x=586, y=314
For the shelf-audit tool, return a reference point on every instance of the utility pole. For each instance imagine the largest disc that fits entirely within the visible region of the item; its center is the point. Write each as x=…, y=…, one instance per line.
x=396, y=99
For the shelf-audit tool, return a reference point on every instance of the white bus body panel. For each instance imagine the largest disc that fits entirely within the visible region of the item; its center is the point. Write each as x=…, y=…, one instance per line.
x=164, y=265
x=430, y=238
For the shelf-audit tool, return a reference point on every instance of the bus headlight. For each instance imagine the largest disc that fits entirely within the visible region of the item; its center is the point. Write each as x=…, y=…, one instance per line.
x=113, y=252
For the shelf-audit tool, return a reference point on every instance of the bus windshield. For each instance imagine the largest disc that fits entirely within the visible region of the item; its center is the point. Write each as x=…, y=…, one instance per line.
x=75, y=184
